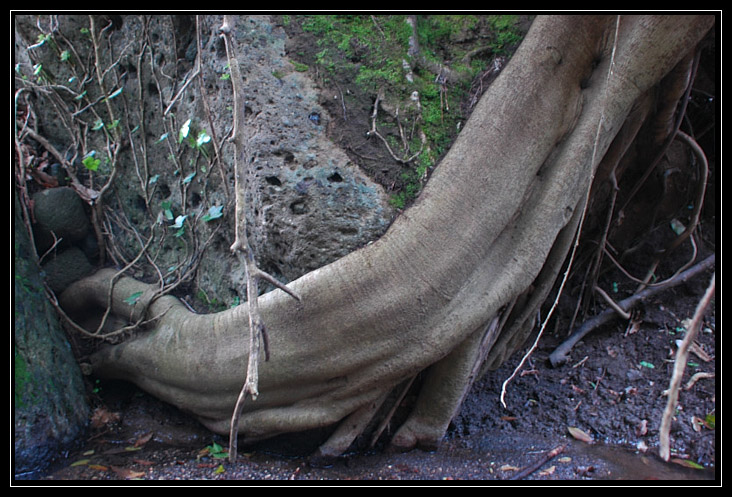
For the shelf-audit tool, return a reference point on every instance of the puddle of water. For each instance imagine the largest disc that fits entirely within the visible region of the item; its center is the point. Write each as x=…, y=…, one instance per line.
x=593, y=461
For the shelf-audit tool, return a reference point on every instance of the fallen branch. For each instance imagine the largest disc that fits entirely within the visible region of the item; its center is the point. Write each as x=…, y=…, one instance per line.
x=680, y=366
x=538, y=464
x=560, y=354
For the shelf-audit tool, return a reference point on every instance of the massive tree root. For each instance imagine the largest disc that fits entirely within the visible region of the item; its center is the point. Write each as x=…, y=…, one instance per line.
x=453, y=284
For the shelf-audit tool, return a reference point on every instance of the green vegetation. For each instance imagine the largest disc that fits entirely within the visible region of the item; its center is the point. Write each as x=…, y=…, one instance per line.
x=374, y=53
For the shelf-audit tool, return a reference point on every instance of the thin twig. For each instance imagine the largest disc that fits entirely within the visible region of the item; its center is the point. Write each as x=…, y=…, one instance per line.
x=585, y=204
x=680, y=366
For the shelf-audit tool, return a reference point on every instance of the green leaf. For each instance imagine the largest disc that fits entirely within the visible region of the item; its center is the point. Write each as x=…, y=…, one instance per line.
x=214, y=212
x=202, y=139
x=115, y=93
x=646, y=364
x=132, y=299
x=98, y=124
x=153, y=180
x=677, y=226
x=179, y=221
x=710, y=420
x=189, y=178
x=167, y=212
x=184, y=130
x=91, y=163
x=162, y=137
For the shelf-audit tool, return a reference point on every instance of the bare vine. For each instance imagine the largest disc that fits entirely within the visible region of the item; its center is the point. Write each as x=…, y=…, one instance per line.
x=241, y=246
x=96, y=109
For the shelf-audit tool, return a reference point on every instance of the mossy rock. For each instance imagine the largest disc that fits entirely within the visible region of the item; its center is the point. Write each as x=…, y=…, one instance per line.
x=59, y=212
x=51, y=410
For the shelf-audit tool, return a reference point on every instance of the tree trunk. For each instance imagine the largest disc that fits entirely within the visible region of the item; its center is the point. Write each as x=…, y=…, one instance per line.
x=482, y=246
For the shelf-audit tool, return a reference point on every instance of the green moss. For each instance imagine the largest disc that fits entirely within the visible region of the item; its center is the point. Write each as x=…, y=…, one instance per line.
x=299, y=67
x=22, y=377
x=371, y=50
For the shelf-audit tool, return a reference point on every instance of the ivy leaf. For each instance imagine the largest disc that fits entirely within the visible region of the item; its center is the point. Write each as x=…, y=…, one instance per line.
x=184, y=130
x=179, y=221
x=202, y=139
x=91, y=163
x=132, y=299
x=115, y=93
x=214, y=212
x=167, y=212
x=189, y=178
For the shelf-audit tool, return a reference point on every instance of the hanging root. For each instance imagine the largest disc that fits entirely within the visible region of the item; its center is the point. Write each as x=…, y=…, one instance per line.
x=257, y=330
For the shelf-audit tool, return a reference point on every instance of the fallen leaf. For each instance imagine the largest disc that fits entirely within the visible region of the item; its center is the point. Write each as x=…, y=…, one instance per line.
x=143, y=439
x=686, y=463
x=548, y=471
x=565, y=459
x=98, y=467
x=127, y=473
x=80, y=462
x=102, y=416
x=508, y=467
x=508, y=418
x=579, y=434
x=642, y=428
x=143, y=462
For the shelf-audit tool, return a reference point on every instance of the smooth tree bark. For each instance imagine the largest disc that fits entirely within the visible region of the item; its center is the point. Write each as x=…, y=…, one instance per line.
x=455, y=282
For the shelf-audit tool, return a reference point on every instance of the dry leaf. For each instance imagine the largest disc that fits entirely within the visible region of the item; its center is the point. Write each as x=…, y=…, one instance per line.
x=642, y=428
x=127, y=473
x=102, y=416
x=579, y=434
x=143, y=439
x=548, y=471
x=508, y=467
x=686, y=463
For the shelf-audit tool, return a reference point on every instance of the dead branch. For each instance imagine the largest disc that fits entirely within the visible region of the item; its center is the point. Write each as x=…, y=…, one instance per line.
x=374, y=132
x=257, y=330
x=560, y=354
x=680, y=366
x=539, y=463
